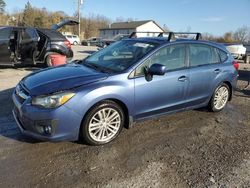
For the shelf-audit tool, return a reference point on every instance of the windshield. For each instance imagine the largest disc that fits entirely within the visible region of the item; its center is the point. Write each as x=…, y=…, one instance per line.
x=120, y=55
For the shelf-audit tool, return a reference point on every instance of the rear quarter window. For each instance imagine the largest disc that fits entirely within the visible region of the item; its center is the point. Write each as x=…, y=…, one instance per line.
x=223, y=55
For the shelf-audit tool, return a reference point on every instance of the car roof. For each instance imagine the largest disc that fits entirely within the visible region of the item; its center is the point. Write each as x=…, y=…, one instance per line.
x=164, y=40
x=19, y=27
x=52, y=34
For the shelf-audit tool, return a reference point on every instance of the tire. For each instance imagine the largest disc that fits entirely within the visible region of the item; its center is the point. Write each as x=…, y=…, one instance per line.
x=48, y=61
x=75, y=43
x=247, y=59
x=219, y=98
x=34, y=56
x=96, y=129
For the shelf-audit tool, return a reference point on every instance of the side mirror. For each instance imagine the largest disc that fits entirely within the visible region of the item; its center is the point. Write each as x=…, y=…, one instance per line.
x=157, y=69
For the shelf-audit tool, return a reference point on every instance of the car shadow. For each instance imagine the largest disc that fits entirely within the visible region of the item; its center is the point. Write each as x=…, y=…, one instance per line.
x=8, y=126
x=244, y=75
x=243, y=84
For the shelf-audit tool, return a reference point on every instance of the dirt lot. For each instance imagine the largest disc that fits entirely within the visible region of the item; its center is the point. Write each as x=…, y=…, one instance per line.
x=190, y=149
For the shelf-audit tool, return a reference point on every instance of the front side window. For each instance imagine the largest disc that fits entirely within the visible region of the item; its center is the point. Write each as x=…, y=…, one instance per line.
x=173, y=57
x=120, y=55
x=200, y=54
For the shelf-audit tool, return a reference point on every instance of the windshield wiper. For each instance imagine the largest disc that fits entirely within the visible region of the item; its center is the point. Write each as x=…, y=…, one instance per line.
x=98, y=68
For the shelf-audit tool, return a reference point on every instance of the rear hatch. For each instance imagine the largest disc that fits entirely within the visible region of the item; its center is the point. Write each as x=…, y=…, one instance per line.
x=63, y=23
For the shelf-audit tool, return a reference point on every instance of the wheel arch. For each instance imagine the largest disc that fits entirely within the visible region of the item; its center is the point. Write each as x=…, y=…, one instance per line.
x=122, y=104
x=231, y=89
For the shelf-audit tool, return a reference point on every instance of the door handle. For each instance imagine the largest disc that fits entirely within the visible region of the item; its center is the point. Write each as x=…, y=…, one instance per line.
x=217, y=71
x=182, y=78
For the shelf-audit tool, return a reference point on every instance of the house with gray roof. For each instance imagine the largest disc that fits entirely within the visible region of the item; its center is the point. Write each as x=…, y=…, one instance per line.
x=124, y=28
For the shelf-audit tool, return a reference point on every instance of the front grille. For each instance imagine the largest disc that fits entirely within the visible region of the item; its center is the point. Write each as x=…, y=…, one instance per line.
x=21, y=93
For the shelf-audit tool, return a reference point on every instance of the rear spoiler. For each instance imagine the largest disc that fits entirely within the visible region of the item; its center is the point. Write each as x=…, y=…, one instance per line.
x=171, y=35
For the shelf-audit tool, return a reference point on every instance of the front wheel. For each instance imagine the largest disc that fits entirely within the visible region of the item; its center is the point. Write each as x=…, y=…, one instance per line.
x=75, y=43
x=219, y=98
x=103, y=123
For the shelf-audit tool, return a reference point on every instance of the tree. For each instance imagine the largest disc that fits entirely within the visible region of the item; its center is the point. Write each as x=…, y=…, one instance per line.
x=28, y=15
x=38, y=22
x=241, y=34
x=2, y=6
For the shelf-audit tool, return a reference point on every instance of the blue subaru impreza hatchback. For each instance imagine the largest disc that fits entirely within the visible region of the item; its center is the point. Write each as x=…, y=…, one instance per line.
x=131, y=80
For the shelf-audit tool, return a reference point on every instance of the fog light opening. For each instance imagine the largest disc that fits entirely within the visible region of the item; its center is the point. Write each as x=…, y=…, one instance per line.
x=47, y=129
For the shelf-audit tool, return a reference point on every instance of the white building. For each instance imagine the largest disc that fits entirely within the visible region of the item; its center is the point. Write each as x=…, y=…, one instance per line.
x=129, y=27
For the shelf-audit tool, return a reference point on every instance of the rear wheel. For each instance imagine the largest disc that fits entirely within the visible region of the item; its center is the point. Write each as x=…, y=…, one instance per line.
x=219, y=98
x=47, y=60
x=247, y=59
x=103, y=123
x=34, y=57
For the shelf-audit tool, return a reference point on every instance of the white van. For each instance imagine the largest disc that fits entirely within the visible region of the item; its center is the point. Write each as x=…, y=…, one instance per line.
x=73, y=39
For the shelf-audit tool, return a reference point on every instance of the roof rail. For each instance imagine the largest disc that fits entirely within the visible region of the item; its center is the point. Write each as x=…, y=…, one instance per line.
x=171, y=35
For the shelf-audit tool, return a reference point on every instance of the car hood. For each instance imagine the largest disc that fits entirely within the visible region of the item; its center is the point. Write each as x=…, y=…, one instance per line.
x=60, y=78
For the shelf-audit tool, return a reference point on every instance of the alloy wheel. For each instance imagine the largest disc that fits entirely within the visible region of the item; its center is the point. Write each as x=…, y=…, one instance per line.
x=104, y=125
x=221, y=97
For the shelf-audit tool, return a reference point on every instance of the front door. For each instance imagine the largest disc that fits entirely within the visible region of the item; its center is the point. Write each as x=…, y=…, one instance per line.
x=163, y=93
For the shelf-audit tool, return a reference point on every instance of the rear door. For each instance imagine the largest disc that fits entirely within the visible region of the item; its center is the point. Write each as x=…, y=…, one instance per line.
x=28, y=45
x=205, y=66
x=5, y=51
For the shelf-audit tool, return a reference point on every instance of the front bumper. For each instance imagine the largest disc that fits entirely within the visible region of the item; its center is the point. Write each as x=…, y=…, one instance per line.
x=65, y=123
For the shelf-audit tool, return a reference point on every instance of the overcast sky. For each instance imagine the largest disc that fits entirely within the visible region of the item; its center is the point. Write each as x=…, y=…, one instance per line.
x=212, y=16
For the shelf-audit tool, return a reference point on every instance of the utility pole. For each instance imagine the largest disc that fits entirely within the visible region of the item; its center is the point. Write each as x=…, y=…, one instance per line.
x=80, y=2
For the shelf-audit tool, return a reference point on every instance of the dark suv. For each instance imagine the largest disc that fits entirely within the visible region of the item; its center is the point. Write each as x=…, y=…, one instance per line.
x=31, y=45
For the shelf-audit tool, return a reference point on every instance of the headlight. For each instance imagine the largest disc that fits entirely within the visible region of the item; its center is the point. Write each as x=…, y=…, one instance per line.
x=52, y=101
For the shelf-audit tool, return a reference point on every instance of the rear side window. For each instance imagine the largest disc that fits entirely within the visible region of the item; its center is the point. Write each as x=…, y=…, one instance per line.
x=200, y=54
x=5, y=33
x=32, y=33
x=223, y=55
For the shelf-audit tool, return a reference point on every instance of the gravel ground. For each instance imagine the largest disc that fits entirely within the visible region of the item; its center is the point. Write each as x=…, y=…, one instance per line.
x=189, y=149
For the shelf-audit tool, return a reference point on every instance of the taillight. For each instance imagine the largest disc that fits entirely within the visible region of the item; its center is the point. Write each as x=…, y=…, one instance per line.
x=67, y=43
x=236, y=65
